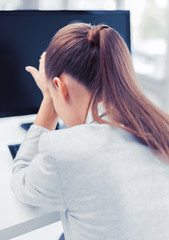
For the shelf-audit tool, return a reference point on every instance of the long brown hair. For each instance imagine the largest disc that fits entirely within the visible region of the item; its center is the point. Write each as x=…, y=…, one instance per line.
x=98, y=58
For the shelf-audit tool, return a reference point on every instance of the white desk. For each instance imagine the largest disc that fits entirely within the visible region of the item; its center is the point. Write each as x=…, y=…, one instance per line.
x=17, y=218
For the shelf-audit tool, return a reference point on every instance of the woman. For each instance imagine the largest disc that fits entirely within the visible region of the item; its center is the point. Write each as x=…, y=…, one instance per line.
x=108, y=172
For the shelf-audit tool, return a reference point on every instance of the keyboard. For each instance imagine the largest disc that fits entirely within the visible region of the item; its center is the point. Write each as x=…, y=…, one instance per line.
x=13, y=149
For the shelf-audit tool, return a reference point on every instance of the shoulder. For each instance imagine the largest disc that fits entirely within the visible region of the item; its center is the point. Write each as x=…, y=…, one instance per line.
x=91, y=145
x=71, y=136
x=72, y=140
x=87, y=137
x=84, y=133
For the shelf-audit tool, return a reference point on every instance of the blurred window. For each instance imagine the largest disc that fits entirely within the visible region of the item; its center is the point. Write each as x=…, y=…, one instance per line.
x=150, y=31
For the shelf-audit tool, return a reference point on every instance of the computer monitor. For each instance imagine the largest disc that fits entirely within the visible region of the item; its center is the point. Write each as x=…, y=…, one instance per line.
x=24, y=35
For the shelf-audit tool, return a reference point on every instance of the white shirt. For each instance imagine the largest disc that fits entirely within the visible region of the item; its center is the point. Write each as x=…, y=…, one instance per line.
x=105, y=183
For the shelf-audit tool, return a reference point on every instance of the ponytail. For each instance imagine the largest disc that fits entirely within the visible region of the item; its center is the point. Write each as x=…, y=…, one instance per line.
x=121, y=93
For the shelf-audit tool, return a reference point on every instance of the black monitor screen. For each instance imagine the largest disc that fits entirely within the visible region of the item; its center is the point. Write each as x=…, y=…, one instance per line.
x=24, y=35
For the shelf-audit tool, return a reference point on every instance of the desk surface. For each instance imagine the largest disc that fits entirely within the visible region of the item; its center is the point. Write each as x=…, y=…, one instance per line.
x=17, y=218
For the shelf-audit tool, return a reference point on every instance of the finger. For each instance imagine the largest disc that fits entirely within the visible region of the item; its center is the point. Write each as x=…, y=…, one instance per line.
x=42, y=57
x=43, y=54
x=33, y=71
x=42, y=63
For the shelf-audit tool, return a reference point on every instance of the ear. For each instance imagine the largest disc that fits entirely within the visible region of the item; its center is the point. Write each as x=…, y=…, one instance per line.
x=61, y=87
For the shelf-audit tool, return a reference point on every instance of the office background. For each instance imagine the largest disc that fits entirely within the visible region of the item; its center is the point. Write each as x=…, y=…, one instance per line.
x=149, y=45
x=149, y=36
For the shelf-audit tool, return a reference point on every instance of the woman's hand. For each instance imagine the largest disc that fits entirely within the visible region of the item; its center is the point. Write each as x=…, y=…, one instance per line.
x=47, y=115
x=39, y=75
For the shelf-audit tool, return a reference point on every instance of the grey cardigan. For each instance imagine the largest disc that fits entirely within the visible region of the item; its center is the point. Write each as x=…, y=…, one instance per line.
x=105, y=183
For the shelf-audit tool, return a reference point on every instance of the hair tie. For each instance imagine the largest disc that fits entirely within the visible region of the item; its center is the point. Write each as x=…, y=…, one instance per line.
x=94, y=35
